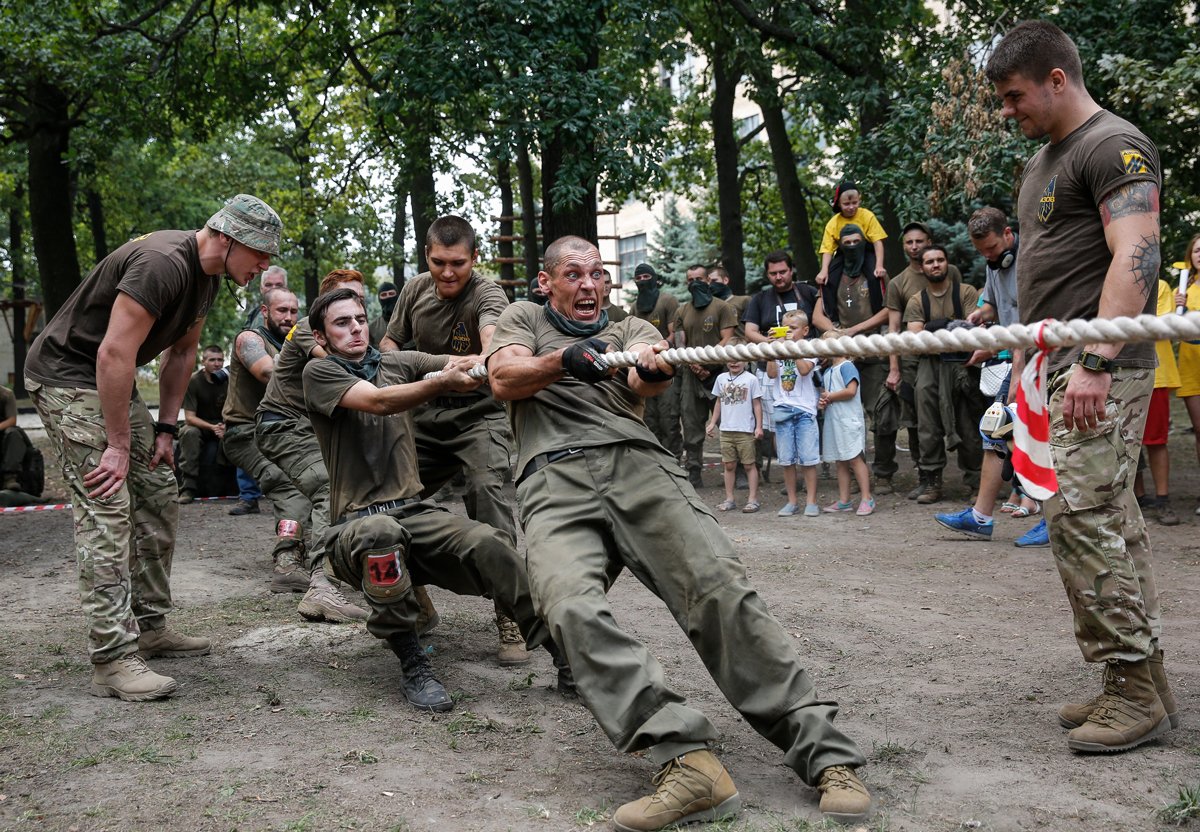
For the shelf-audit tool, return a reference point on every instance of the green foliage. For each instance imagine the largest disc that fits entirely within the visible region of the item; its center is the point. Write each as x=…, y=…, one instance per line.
x=675, y=247
x=1184, y=810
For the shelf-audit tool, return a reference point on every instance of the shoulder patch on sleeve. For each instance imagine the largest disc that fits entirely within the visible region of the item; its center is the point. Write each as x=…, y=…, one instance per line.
x=1132, y=161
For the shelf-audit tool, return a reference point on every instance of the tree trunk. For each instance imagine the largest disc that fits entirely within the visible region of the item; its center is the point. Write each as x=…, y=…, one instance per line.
x=791, y=193
x=504, y=182
x=95, y=207
x=310, y=255
x=16, y=253
x=576, y=218
x=529, y=218
x=424, y=195
x=398, y=228
x=50, y=198
x=725, y=154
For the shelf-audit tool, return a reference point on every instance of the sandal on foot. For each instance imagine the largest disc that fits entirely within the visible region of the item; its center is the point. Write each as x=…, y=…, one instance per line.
x=1009, y=507
x=1021, y=511
x=728, y=505
x=751, y=507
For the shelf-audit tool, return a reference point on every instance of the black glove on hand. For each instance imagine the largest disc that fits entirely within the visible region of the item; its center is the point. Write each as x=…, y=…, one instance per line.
x=585, y=361
x=936, y=324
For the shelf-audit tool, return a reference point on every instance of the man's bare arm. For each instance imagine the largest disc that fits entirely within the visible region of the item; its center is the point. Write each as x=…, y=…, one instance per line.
x=251, y=350
x=397, y=398
x=514, y=372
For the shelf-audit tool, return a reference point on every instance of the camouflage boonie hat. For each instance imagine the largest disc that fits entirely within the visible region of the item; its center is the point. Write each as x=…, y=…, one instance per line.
x=250, y=221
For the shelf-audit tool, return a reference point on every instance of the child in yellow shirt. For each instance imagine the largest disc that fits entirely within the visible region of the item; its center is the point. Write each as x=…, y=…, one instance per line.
x=847, y=206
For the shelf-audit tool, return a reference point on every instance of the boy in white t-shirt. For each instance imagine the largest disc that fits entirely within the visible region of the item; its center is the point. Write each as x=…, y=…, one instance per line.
x=739, y=411
x=797, y=437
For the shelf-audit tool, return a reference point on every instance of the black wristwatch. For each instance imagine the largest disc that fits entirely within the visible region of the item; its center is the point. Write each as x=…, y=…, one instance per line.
x=1095, y=363
x=163, y=427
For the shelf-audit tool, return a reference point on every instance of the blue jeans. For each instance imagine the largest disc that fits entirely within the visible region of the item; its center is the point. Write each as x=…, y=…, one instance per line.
x=797, y=438
x=247, y=488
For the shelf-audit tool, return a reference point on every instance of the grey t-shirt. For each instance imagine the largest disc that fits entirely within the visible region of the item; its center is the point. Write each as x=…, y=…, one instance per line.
x=571, y=413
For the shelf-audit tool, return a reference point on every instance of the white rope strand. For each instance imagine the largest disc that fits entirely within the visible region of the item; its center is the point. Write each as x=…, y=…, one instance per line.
x=993, y=338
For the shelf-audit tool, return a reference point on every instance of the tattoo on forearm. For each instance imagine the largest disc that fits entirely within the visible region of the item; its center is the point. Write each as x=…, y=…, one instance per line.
x=1133, y=198
x=250, y=348
x=1144, y=262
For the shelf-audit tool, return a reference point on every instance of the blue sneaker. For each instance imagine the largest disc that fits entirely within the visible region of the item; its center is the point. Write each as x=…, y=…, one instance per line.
x=1036, y=538
x=964, y=522
x=789, y=509
x=812, y=510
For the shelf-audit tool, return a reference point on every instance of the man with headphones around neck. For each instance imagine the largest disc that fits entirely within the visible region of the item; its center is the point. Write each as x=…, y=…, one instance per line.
x=150, y=296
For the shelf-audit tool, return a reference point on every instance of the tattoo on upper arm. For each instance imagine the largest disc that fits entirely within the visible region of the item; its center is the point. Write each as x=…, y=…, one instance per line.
x=1139, y=197
x=250, y=348
x=1144, y=262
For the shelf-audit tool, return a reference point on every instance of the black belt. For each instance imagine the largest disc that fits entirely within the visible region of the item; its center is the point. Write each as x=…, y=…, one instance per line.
x=270, y=416
x=377, y=508
x=542, y=460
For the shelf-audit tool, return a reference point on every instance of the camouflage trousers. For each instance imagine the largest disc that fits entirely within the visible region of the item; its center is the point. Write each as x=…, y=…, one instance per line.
x=124, y=543
x=1097, y=532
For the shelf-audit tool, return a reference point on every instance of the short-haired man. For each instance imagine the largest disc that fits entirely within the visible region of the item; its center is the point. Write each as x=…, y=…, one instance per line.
x=615, y=313
x=384, y=537
x=451, y=310
x=284, y=435
x=200, y=435
x=148, y=298
x=902, y=370
x=718, y=278
x=1089, y=213
x=273, y=278
x=949, y=404
x=588, y=465
x=704, y=321
x=659, y=308
x=782, y=294
x=254, y=354
x=994, y=239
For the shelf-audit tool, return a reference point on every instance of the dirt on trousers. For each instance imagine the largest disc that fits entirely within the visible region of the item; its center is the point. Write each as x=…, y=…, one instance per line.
x=949, y=658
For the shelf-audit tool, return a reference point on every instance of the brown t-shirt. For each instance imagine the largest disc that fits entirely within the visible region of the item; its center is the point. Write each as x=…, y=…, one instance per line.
x=571, y=413
x=663, y=313
x=909, y=282
x=615, y=313
x=425, y=322
x=1064, y=257
x=161, y=271
x=942, y=307
x=205, y=397
x=245, y=391
x=285, y=391
x=702, y=327
x=854, y=300
x=371, y=459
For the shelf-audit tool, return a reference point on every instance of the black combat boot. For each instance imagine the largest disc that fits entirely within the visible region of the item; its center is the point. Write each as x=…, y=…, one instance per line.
x=566, y=679
x=421, y=688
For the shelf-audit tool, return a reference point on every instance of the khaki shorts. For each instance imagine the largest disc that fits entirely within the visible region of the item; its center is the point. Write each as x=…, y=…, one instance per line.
x=738, y=447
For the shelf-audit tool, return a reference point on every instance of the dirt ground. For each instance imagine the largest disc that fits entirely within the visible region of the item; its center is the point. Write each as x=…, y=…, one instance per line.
x=949, y=658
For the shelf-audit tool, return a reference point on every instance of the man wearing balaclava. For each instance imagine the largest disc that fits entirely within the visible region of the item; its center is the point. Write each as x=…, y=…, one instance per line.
x=377, y=327
x=659, y=308
x=704, y=321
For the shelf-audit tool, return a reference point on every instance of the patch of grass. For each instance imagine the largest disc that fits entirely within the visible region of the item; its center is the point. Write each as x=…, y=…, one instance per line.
x=469, y=723
x=892, y=752
x=55, y=649
x=360, y=715
x=537, y=812
x=479, y=777
x=359, y=755
x=125, y=752
x=1185, y=809
x=66, y=666
x=53, y=713
x=522, y=684
x=301, y=824
x=587, y=816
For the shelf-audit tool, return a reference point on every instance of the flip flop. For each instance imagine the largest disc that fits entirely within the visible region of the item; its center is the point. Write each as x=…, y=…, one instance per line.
x=1021, y=511
x=1009, y=508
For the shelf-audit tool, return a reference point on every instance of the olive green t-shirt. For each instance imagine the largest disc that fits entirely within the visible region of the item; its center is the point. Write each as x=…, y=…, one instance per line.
x=570, y=413
x=371, y=459
x=425, y=322
x=161, y=271
x=245, y=391
x=285, y=391
x=205, y=397
x=662, y=316
x=616, y=313
x=702, y=327
x=1064, y=257
x=942, y=307
x=910, y=282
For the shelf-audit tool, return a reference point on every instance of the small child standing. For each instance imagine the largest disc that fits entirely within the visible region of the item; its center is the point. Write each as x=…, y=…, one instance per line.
x=739, y=412
x=797, y=438
x=844, y=437
x=847, y=208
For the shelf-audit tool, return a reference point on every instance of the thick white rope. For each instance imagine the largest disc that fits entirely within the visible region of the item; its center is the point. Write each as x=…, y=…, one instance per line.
x=993, y=338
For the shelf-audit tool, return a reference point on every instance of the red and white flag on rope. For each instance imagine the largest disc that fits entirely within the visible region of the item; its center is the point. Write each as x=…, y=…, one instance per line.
x=1031, y=430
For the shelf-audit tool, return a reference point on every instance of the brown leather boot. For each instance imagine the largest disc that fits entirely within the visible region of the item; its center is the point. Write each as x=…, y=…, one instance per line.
x=933, y=490
x=1072, y=714
x=1127, y=714
x=691, y=788
x=922, y=484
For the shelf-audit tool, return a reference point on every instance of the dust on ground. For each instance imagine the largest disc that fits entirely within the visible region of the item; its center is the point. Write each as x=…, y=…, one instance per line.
x=949, y=659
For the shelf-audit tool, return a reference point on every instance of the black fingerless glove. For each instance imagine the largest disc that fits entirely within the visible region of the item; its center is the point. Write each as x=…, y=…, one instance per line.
x=585, y=361
x=936, y=324
x=653, y=376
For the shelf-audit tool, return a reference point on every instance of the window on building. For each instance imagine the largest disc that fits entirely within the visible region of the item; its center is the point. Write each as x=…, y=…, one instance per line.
x=748, y=124
x=632, y=250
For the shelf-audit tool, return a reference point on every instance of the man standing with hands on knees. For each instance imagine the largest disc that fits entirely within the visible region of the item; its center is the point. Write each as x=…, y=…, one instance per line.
x=149, y=297
x=588, y=467
x=1088, y=207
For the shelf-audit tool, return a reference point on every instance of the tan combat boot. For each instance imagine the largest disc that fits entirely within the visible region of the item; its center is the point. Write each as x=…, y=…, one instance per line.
x=324, y=602
x=1072, y=715
x=131, y=679
x=692, y=788
x=512, y=644
x=933, y=489
x=289, y=574
x=171, y=644
x=844, y=798
x=1127, y=714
